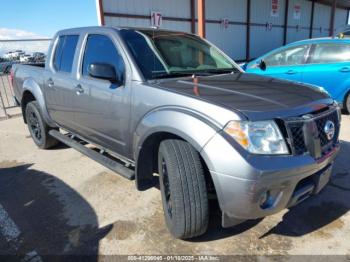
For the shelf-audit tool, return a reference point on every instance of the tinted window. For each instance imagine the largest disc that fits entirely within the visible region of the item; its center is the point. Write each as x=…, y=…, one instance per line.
x=289, y=56
x=58, y=53
x=101, y=49
x=64, y=54
x=330, y=53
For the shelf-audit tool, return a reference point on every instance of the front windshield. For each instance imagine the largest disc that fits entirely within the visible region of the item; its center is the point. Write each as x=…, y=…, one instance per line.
x=161, y=54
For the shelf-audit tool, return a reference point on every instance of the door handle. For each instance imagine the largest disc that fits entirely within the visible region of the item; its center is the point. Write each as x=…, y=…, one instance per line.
x=50, y=82
x=291, y=72
x=344, y=69
x=79, y=89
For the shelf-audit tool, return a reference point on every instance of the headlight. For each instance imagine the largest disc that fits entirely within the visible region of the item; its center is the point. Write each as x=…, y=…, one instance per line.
x=261, y=137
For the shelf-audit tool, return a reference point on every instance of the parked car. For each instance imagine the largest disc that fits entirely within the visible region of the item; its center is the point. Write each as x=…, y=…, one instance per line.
x=25, y=58
x=154, y=101
x=323, y=62
x=38, y=57
x=17, y=54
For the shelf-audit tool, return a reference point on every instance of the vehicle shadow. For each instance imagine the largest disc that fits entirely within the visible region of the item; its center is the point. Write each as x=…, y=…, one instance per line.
x=314, y=213
x=55, y=221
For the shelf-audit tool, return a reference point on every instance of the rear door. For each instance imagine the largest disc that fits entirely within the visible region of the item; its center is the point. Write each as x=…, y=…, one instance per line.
x=285, y=63
x=58, y=81
x=102, y=109
x=329, y=67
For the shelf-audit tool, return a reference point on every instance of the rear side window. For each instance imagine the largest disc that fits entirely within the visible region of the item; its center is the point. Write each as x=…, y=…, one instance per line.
x=64, y=53
x=330, y=53
x=101, y=49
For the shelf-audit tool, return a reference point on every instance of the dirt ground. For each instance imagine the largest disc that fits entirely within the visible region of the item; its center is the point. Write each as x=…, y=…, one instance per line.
x=61, y=202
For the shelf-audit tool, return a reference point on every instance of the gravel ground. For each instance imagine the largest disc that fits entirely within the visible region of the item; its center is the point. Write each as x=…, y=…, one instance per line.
x=60, y=202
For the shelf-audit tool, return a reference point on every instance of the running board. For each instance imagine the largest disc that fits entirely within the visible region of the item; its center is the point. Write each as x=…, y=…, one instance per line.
x=98, y=157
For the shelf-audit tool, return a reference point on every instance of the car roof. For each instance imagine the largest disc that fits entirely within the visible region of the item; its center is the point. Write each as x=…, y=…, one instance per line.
x=321, y=40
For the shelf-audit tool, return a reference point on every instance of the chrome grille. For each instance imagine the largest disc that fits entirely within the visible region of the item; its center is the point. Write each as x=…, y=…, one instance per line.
x=297, y=135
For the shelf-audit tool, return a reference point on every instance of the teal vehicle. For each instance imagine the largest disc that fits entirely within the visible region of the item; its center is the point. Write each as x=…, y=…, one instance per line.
x=324, y=62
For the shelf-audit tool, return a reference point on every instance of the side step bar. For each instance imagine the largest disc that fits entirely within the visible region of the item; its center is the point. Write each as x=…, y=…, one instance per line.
x=98, y=157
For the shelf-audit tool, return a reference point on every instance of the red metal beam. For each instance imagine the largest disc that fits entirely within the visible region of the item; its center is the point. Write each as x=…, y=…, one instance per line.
x=102, y=17
x=201, y=18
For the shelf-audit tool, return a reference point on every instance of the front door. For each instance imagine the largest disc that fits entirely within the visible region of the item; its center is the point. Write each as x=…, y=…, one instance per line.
x=102, y=109
x=286, y=63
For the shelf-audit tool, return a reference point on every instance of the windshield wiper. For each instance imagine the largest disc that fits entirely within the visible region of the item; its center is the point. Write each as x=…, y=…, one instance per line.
x=219, y=71
x=170, y=75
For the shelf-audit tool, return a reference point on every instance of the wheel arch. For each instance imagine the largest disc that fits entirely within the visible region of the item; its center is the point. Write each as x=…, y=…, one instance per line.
x=31, y=92
x=161, y=125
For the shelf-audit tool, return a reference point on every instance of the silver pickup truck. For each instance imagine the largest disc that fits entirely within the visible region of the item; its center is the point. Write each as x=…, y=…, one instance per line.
x=156, y=105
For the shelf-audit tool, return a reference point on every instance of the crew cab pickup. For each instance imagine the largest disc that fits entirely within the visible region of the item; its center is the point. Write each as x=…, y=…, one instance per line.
x=169, y=107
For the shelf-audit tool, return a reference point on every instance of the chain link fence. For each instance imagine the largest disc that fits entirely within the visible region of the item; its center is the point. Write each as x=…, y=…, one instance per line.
x=15, y=52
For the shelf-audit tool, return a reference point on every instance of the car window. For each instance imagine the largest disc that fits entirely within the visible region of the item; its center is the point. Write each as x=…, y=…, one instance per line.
x=101, y=49
x=330, y=53
x=291, y=56
x=64, y=53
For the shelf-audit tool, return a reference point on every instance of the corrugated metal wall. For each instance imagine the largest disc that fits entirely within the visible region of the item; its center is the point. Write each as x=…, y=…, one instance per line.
x=321, y=20
x=262, y=39
x=298, y=27
x=233, y=39
x=168, y=8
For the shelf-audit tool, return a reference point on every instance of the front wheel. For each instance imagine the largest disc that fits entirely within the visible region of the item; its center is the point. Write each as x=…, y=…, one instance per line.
x=183, y=189
x=38, y=128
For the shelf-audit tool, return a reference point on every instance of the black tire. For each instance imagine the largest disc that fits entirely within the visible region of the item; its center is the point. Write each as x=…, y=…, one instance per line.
x=183, y=189
x=38, y=128
x=347, y=103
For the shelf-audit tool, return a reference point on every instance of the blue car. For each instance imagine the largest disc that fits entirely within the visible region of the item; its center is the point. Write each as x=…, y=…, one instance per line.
x=323, y=62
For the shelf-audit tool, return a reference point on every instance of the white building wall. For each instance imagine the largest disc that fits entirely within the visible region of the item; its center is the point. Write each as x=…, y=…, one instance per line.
x=300, y=27
x=232, y=39
x=322, y=18
x=178, y=8
x=168, y=8
x=341, y=16
x=261, y=38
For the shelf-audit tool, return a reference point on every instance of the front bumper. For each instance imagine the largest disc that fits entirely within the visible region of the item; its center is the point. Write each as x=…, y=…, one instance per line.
x=251, y=186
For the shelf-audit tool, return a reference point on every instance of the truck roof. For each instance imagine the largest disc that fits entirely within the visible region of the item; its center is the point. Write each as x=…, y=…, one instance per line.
x=108, y=28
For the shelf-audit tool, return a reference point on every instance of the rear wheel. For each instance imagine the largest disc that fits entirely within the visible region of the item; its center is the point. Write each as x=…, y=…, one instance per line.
x=183, y=189
x=38, y=129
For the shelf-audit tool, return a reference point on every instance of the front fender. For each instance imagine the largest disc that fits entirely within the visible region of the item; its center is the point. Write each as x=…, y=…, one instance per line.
x=191, y=126
x=34, y=88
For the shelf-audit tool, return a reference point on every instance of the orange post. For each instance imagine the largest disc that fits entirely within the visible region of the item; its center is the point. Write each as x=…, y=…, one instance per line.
x=201, y=18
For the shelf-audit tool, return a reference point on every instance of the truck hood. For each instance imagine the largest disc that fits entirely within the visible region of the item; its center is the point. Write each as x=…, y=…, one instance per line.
x=255, y=96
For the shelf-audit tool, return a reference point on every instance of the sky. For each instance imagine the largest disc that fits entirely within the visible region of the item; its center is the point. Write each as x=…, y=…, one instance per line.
x=41, y=19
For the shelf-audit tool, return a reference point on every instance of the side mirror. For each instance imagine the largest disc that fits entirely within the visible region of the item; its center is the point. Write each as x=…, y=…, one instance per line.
x=262, y=65
x=103, y=71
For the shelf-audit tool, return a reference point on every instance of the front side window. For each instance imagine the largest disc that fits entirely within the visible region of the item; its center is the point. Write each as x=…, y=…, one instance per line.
x=330, y=53
x=288, y=57
x=161, y=54
x=101, y=49
x=64, y=53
